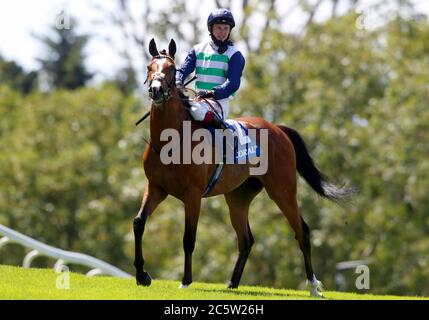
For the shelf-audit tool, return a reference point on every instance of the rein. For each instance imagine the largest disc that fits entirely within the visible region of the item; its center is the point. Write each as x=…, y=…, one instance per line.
x=148, y=113
x=168, y=94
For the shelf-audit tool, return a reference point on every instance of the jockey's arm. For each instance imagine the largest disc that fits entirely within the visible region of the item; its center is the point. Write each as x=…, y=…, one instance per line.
x=232, y=83
x=187, y=67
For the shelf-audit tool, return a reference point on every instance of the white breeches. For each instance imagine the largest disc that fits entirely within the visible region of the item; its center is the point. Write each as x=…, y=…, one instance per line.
x=200, y=108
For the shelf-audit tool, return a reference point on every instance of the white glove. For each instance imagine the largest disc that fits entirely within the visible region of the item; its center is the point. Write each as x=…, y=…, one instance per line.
x=179, y=86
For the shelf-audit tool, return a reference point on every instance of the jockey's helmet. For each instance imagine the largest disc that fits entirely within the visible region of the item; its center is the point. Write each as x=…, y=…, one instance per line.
x=223, y=16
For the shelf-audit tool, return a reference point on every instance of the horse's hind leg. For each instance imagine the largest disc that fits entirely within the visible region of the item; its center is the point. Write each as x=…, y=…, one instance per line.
x=285, y=198
x=238, y=202
x=315, y=285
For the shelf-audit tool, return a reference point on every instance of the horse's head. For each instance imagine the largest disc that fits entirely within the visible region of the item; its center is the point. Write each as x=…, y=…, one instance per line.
x=161, y=72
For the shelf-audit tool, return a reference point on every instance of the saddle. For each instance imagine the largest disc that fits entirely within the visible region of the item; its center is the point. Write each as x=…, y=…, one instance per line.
x=244, y=147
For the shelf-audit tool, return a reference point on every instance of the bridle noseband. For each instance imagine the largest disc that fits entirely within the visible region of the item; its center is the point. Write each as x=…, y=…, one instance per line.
x=158, y=76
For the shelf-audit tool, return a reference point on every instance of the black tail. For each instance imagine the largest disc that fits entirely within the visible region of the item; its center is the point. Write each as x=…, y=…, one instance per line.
x=308, y=170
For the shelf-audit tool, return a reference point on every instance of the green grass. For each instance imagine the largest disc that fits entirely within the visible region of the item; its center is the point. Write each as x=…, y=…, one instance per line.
x=20, y=283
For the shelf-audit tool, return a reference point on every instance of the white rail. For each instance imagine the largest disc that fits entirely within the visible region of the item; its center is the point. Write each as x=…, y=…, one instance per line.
x=63, y=257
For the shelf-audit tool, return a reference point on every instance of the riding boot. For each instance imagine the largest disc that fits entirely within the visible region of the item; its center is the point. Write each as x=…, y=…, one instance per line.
x=218, y=123
x=214, y=120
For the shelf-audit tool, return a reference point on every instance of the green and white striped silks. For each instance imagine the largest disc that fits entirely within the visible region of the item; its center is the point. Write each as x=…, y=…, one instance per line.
x=211, y=67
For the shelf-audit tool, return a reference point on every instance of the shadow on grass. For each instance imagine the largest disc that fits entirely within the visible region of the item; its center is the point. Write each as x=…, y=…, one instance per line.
x=257, y=293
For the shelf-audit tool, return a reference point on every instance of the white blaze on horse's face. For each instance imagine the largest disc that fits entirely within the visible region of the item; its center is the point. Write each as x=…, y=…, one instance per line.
x=158, y=87
x=158, y=76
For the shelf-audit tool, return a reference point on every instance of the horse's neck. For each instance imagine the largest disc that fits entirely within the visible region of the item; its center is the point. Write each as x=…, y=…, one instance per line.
x=168, y=116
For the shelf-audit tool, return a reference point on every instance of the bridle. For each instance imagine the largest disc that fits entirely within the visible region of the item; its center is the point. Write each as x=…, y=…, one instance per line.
x=159, y=76
x=167, y=95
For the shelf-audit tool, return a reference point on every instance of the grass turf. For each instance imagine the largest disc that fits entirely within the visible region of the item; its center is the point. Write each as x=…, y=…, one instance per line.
x=19, y=283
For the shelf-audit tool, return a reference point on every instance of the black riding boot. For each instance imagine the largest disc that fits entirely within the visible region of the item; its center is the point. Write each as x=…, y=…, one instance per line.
x=218, y=123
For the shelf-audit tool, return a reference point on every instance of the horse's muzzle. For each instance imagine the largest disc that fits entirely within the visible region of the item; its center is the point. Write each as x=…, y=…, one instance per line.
x=156, y=94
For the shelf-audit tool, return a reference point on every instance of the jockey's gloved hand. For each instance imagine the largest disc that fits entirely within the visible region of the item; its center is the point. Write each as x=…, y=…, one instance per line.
x=207, y=94
x=180, y=86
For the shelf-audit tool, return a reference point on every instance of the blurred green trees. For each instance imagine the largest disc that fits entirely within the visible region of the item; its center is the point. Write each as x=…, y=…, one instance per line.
x=65, y=157
x=16, y=77
x=64, y=65
x=359, y=98
x=71, y=170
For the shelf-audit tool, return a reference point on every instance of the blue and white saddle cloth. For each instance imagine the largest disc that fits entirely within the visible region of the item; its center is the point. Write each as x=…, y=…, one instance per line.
x=237, y=142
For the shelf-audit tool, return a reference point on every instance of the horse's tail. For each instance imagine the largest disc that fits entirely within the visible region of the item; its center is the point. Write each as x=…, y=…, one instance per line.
x=308, y=170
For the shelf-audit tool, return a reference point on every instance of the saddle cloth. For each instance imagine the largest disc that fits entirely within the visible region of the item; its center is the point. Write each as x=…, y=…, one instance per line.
x=238, y=142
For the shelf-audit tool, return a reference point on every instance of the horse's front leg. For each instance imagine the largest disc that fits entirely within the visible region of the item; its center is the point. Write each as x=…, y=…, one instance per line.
x=192, y=213
x=152, y=197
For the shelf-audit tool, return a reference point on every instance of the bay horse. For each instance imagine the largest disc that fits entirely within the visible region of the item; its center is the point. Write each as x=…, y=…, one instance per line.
x=287, y=154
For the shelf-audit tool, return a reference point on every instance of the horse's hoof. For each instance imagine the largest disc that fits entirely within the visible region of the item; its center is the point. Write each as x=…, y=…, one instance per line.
x=185, y=285
x=231, y=286
x=316, y=294
x=316, y=288
x=144, y=279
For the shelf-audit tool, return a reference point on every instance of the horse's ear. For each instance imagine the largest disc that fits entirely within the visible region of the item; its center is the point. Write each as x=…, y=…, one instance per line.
x=172, y=48
x=152, y=48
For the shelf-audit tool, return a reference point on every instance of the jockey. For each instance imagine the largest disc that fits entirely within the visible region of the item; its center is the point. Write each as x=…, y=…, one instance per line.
x=218, y=66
